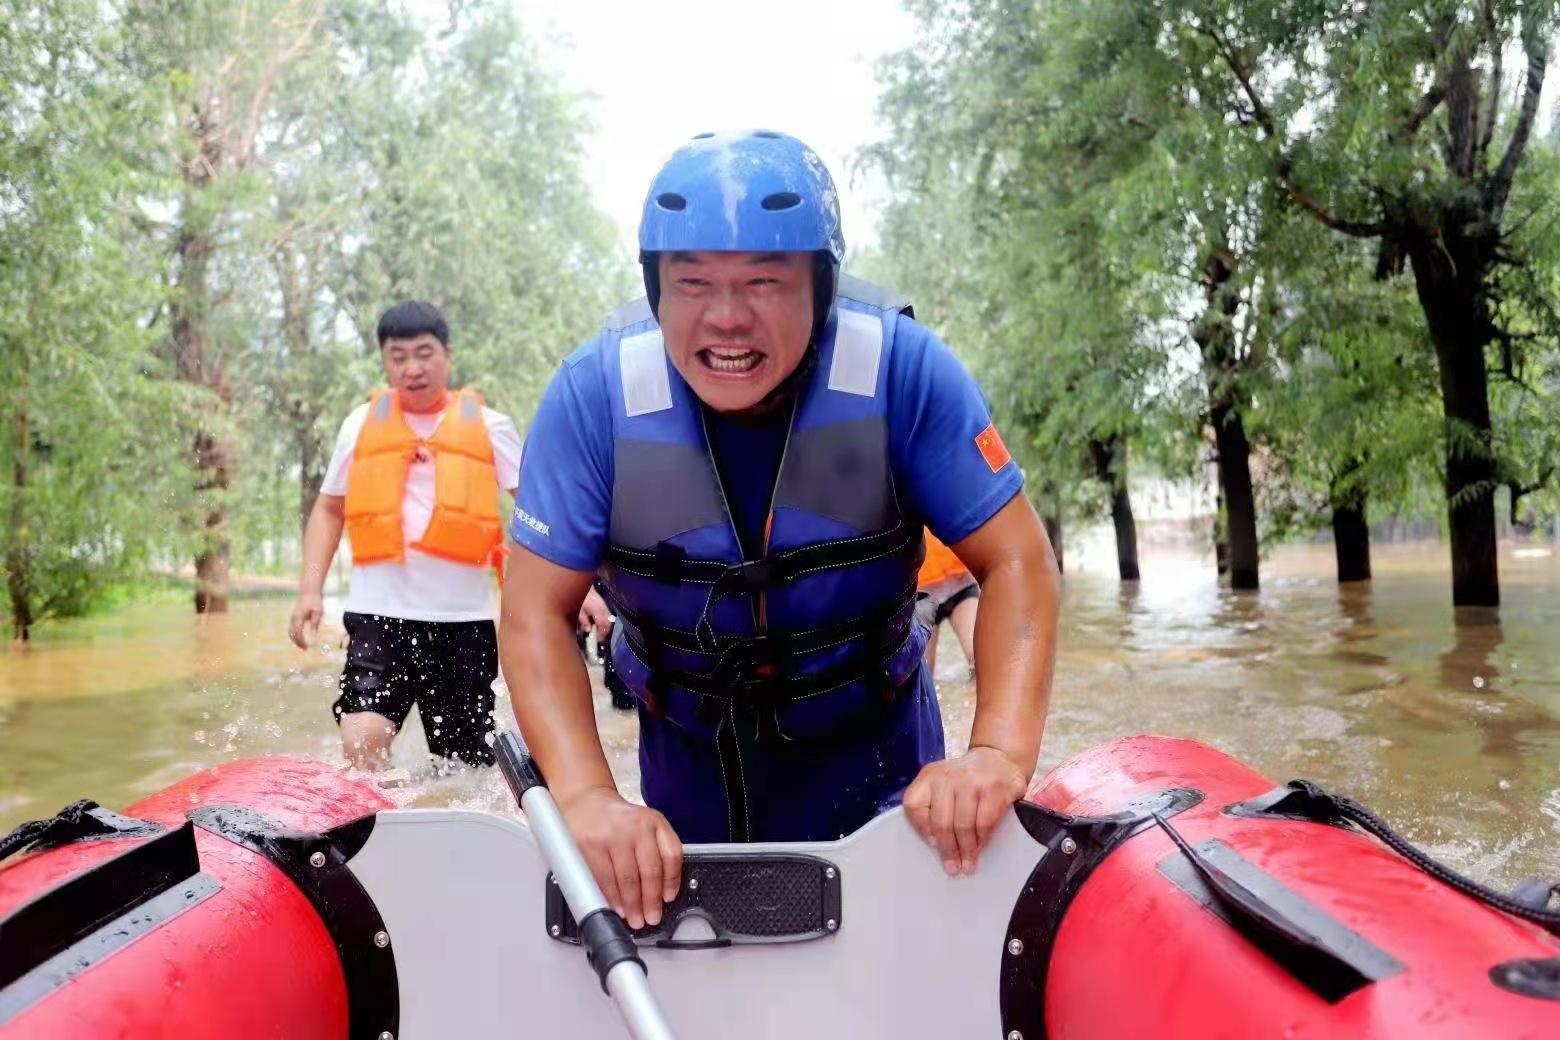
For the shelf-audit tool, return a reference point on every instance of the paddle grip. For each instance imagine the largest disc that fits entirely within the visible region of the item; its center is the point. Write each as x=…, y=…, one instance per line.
x=520, y=770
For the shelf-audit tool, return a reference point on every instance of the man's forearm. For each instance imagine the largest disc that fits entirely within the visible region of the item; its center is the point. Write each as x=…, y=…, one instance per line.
x=550, y=690
x=321, y=536
x=1015, y=655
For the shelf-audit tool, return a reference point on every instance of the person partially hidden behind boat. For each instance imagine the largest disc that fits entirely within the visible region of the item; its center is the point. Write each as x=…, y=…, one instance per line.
x=946, y=591
x=748, y=456
x=414, y=480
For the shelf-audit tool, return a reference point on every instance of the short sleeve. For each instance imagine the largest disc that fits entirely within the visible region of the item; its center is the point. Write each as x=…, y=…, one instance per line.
x=506, y=448
x=335, y=482
x=564, y=504
x=952, y=467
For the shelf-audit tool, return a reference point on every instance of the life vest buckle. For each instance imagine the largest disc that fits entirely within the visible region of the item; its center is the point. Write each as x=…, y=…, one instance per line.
x=759, y=575
x=669, y=561
x=755, y=659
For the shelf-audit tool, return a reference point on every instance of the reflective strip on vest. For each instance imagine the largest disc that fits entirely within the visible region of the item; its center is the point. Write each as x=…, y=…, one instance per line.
x=858, y=348
x=647, y=385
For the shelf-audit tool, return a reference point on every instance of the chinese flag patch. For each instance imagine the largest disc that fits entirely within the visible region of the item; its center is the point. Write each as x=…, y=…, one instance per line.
x=989, y=441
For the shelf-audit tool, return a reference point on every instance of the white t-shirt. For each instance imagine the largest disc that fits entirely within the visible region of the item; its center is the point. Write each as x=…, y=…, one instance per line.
x=424, y=588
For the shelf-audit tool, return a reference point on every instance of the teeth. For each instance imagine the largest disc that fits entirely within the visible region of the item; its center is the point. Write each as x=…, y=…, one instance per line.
x=742, y=361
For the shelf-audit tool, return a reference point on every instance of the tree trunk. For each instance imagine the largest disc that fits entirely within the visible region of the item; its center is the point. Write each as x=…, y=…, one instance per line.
x=18, y=582
x=1221, y=538
x=1351, y=532
x=310, y=475
x=1110, y=465
x=198, y=364
x=212, y=558
x=1351, y=540
x=1053, y=531
x=1240, y=504
x=1215, y=334
x=1448, y=274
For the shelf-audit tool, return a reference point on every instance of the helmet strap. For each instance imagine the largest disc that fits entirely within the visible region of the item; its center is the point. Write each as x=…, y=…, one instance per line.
x=826, y=279
x=650, y=264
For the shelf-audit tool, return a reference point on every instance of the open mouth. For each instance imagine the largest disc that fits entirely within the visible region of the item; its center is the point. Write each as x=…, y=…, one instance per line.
x=730, y=361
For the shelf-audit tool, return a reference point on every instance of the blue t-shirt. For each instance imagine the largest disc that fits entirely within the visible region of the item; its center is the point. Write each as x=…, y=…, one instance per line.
x=941, y=448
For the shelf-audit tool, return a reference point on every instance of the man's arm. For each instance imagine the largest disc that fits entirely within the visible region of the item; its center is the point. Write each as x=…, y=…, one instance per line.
x=632, y=850
x=321, y=536
x=958, y=803
x=1015, y=630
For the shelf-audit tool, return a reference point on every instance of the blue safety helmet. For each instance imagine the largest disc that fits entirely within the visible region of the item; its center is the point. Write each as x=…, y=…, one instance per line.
x=747, y=191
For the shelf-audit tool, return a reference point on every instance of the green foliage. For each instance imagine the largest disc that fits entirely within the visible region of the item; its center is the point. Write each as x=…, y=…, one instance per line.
x=85, y=414
x=204, y=206
x=1063, y=173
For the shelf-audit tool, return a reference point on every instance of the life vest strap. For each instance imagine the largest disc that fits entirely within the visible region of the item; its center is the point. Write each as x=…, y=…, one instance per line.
x=783, y=643
x=756, y=670
x=671, y=563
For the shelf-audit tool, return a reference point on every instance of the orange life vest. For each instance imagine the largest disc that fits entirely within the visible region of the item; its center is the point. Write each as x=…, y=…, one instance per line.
x=465, y=526
x=940, y=563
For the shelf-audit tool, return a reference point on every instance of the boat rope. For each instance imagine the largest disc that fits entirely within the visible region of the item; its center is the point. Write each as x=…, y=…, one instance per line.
x=78, y=820
x=26, y=834
x=1309, y=800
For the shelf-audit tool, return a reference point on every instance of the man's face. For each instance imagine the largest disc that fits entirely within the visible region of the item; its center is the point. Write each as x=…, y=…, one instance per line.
x=418, y=367
x=735, y=324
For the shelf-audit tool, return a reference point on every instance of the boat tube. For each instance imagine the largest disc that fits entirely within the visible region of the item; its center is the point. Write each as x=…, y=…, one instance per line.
x=1148, y=888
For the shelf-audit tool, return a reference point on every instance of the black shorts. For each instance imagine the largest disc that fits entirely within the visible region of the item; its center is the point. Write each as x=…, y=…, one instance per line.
x=934, y=604
x=446, y=668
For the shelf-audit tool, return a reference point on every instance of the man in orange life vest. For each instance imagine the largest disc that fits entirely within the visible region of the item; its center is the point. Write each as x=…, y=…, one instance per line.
x=414, y=480
x=946, y=591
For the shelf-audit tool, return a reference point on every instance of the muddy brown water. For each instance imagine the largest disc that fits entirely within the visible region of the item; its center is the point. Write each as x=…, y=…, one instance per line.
x=1447, y=723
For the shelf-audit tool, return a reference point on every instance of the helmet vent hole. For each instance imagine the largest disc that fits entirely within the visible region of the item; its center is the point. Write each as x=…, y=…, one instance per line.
x=765, y=133
x=781, y=200
x=700, y=137
x=672, y=201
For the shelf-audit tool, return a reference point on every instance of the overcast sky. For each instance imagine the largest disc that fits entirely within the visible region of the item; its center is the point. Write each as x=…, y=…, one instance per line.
x=661, y=71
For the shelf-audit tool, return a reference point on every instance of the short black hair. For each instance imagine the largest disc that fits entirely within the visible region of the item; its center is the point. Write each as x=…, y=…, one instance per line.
x=411, y=318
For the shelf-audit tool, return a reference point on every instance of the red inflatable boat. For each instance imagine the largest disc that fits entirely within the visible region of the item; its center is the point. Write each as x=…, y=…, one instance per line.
x=1149, y=888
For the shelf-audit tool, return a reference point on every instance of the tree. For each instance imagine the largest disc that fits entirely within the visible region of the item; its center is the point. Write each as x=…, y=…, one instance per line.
x=476, y=200
x=85, y=416
x=227, y=63
x=1391, y=122
x=1051, y=330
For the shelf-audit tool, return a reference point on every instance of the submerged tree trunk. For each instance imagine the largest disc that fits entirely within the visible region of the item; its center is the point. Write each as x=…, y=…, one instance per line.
x=1351, y=531
x=18, y=582
x=197, y=363
x=1240, y=503
x=1448, y=276
x=1221, y=538
x=1351, y=540
x=1215, y=335
x=1110, y=465
x=1053, y=531
x=212, y=558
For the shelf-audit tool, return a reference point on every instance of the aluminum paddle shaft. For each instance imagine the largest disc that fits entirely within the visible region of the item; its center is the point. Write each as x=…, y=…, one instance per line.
x=608, y=945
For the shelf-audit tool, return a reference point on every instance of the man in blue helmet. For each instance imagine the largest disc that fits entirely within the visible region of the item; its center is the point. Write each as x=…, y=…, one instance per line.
x=748, y=457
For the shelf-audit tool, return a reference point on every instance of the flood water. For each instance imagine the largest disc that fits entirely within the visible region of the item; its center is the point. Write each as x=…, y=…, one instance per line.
x=1446, y=724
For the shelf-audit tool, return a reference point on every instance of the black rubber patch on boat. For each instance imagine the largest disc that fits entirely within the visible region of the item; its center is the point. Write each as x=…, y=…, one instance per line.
x=1531, y=977
x=1331, y=959
x=77, y=923
x=1074, y=847
x=742, y=898
x=317, y=864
